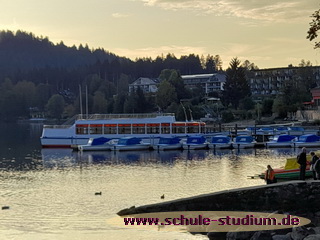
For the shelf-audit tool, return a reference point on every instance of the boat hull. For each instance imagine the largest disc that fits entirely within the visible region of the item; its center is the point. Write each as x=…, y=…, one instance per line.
x=278, y=144
x=103, y=147
x=220, y=146
x=195, y=146
x=164, y=147
x=243, y=145
x=305, y=144
x=290, y=174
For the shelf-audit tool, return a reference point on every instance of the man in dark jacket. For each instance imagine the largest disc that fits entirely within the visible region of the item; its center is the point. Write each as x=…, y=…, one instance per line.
x=302, y=160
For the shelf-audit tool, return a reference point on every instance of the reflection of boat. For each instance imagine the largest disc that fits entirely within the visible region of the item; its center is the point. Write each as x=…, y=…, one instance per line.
x=220, y=141
x=309, y=140
x=169, y=143
x=97, y=144
x=131, y=144
x=244, y=142
x=283, y=140
x=115, y=126
x=195, y=143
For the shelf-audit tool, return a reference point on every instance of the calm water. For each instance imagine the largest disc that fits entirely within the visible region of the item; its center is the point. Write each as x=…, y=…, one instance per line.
x=51, y=192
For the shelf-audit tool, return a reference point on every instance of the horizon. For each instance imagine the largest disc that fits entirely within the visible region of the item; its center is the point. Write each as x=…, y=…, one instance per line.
x=267, y=33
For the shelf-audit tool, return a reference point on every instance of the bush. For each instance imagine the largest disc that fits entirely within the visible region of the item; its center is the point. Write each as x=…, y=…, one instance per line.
x=227, y=116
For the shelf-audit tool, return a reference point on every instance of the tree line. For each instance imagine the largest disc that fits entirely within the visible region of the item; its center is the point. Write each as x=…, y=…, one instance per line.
x=37, y=76
x=33, y=69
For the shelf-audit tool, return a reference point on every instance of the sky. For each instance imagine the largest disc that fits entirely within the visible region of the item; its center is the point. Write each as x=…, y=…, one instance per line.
x=268, y=33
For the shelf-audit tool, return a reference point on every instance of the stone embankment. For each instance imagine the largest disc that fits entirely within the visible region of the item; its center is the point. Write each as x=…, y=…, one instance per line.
x=299, y=198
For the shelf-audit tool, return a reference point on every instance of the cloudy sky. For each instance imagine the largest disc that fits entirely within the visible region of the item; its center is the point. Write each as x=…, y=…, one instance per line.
x=269, y=33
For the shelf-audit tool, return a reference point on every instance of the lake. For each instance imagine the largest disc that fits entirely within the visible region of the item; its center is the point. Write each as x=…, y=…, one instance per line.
x=51, y=192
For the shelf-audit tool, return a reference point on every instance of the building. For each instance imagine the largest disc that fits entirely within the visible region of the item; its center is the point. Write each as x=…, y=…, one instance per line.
x=268, y=82
x=212, y=82
x=147, y=85
x=315, y=97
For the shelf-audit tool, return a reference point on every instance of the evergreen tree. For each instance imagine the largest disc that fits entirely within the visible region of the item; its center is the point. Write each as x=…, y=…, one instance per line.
x=236, y=87
x=55, y=106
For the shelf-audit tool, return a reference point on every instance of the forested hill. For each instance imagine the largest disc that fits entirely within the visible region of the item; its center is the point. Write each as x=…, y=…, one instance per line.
x=22, y=54
x=23, y=51
x=33, y=71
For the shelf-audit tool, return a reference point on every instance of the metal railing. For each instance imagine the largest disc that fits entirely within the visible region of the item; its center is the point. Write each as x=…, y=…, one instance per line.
x=122, y=115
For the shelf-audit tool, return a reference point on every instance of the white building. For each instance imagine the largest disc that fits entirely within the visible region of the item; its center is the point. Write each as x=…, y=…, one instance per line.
x=147, y=85
x=212, y=82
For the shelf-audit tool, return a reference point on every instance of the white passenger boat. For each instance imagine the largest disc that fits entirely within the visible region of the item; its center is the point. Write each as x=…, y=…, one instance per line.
x=195, y=143
x=131, y=144
x=283, y=140
x=244, y=142
x=169, y=143
x=308, y=140
x=220, y=142
x=149, y=127
x=97, y=144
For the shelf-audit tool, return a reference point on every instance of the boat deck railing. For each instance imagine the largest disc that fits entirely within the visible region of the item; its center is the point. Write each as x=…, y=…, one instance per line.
x=57, y=126
x=72, y=120
x=120, y=115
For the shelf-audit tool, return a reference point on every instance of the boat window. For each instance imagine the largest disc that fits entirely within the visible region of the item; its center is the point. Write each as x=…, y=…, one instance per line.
x=124, y=129
x=82, y=129
x=110, y=129
x=178, y=129
x=96, y=129
x=138, y=128
x=153, y=128
x=202, y=128
x=165, y=128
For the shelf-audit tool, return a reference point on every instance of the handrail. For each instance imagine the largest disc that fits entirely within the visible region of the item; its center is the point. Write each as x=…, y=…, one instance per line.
x=120, y=115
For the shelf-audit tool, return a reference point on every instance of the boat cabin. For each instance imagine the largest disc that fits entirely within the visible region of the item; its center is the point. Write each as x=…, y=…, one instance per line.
x=141, y=128
x=244, y=139
x=129, y=141
x=99, y=141
x=196, y=140
x=283, y=138
x=169, y=140
x=220, y=139
x=308, y=138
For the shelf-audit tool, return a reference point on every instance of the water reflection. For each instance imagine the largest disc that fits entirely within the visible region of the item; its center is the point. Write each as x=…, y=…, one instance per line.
x=52, y=158
x=57, y=185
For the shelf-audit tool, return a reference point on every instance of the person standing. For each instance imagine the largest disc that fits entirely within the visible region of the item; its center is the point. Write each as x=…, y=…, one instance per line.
x=302, y=160
x=316, y=168
x=314, y=159
x=270, y=175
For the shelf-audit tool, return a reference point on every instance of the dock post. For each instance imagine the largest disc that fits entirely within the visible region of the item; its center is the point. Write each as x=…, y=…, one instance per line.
x=236, y=129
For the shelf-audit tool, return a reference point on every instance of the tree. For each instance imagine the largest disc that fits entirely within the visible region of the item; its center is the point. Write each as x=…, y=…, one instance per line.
x=306, y=78
x=314, y=28
x=174, y=78
x=236, y=87
x=218, y=62
x=166, y=94
x=210, y=64
x=55, y=106
x=25, y=92
x=249, y=66
x=99, y=103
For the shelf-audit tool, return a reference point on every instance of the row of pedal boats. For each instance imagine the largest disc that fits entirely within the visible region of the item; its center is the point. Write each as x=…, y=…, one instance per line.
x=164, y=143
x=198, y=142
